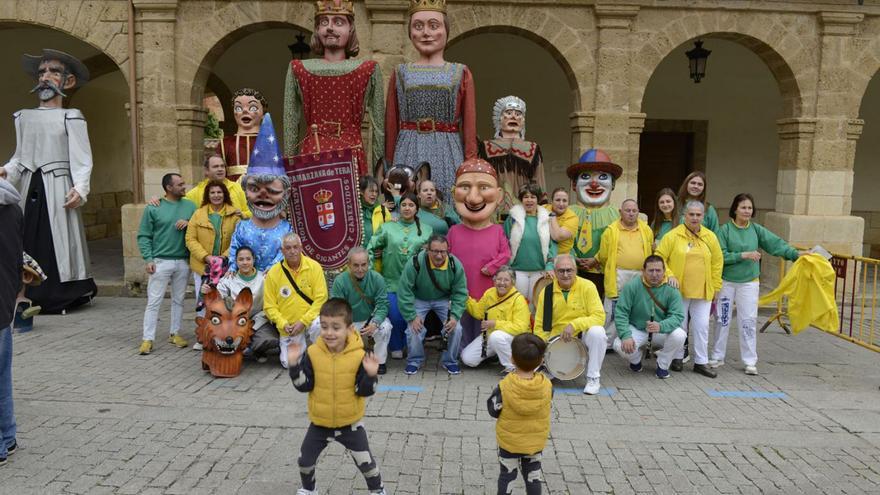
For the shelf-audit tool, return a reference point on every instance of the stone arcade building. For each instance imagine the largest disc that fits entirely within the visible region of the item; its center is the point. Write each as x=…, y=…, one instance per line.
x=789, y=109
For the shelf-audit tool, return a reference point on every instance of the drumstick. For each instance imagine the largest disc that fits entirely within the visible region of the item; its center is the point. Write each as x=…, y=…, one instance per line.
x=483, y=336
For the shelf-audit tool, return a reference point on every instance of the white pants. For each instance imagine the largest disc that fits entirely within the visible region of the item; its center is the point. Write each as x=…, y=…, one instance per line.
x=497, y=344
x=525, y=283
x=175, y=272
x=596, y=341
x=745, y=296
x=623, y=278
x=671, y=343
x=698, y=311
x=381, y=336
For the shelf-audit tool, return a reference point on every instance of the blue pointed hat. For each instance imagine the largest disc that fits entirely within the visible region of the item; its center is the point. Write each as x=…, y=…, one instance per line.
x=266, y=156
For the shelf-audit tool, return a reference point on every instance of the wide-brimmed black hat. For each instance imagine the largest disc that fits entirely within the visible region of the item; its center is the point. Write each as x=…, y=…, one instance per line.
x=31, y=63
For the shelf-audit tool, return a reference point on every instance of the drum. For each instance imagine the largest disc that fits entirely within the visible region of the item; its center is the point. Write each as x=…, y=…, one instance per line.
x=565, y=360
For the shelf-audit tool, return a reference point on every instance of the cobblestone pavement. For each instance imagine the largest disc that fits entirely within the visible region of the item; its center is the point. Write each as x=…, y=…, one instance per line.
x=95, y=417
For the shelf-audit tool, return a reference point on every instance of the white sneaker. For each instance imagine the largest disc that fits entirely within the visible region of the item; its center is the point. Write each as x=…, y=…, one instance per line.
x=396, y=354
x=303, y=491
x=198, y=346
x=715, y=363
x=686, y=358
x=751, y=370
x=593, y=386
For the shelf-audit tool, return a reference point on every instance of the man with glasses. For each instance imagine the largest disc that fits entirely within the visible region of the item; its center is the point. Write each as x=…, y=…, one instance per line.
x=570, y=307
x=433, y=281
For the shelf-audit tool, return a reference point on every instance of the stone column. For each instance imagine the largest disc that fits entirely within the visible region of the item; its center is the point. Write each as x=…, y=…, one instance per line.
x=388, y=39
x=155, y=20
x=191, y=120
x=816, y=155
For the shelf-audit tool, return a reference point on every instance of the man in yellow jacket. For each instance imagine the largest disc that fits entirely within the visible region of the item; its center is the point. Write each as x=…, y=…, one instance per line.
x=293, y=293
x=625, y=245
x=574, y=309
x=215, y=168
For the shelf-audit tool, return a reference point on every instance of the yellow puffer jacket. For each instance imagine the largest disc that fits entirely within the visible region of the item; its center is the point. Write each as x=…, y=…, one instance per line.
x=673, y=249
x=200, y=235
x=524, y=423
x=512, y=316
x=809, y=285
x=333, y=403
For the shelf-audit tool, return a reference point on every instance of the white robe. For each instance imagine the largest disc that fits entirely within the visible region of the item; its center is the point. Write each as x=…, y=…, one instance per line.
x=55, y=143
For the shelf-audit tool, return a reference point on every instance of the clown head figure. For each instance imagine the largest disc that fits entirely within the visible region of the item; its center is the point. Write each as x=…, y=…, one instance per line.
x=476, y=192
x=594, y=177
x=248, y=107
x=266, y=184
x=509, y=117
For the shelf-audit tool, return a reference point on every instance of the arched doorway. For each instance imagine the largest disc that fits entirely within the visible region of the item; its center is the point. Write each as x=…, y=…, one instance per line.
x=725, y=126
x=517, y=62
x=104, y=102
x=866, y=172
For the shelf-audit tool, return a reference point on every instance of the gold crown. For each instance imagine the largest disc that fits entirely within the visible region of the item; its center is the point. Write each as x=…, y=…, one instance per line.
x=431, y=5
x=333, y=7
x=322, y=196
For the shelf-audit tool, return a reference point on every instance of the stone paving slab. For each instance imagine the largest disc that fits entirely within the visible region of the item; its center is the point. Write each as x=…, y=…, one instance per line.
x=95, y=417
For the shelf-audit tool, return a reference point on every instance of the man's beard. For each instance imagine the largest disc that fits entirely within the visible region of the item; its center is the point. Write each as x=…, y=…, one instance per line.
x=47, y=90
x=267, y=214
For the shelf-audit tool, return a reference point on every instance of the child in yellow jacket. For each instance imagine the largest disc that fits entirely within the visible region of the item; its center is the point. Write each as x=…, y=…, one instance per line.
x=338, y=375
x=521, y=403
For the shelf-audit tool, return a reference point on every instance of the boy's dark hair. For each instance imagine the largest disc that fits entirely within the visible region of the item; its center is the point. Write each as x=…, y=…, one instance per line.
x=336, y=307
x=528, y=351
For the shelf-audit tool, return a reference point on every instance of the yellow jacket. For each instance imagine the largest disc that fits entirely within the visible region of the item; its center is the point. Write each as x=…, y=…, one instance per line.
x=282, y=305
x=380, y=216
x=583, y=309
x=569, y=221
x=332, y=401
x=524, y=423
x=200, y=235
x=607, y=255
x=512, y=316
x=809, y=285
x=236, y=194
x=673, y=249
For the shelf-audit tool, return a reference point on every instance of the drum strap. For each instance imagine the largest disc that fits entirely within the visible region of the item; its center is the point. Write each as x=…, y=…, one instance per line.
x=498, y=303
x=548, y=308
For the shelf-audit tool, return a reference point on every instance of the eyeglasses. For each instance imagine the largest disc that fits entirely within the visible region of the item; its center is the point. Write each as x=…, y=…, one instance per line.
x=564, y=270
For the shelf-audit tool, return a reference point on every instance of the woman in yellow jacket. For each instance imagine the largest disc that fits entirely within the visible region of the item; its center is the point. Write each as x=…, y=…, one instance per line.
x=504, y=313
x=693, y=264
x=210, y=229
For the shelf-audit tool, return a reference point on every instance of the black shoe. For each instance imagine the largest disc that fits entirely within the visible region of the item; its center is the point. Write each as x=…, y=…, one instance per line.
x=12, y=448
x=704, y=370
x=675, y=365
x=382, y=369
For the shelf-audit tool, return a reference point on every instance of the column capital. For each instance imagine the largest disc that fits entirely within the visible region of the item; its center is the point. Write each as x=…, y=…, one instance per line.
x=191, y=115
x=582, y=121
x=854, y=128
x=839, y=23
x=387, y=11
x=637, y=122
x=615, y=16
x=796, y=128
x=156, y=10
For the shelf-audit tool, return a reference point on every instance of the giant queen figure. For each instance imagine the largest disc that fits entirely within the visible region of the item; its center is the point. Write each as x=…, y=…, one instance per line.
x=52, y=168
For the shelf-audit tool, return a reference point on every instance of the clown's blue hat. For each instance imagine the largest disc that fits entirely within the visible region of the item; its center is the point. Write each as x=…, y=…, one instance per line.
x=266, y=156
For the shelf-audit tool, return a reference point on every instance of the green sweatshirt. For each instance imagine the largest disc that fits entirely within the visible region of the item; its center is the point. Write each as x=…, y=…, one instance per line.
x=529, y=257
x=634, y=307
x=665, y=226
x=414, y=286
x=158, y=237
x=440, y=223
x=399, y=242
x=372, y=286
x=735, y=240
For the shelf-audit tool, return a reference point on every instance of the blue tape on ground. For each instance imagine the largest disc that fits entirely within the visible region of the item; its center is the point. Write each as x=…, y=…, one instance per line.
x=399, y=388
x=605, y=391
x=740, y=394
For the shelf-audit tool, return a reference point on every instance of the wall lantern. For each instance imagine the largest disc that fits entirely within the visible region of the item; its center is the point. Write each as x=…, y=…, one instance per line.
x=300, y=49
x=697, y=58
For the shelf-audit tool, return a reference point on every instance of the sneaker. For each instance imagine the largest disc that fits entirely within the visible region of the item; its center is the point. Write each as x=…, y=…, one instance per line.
x=396, y=354
x=178, y=341
x=593, y=386
x=146, y=347
x=411, y=369
x=303, y=491
x=262, y=359
x=452, y=369
x=751, y=370
x=636, y=368
x=661, y=373
x=687, y=357
x=704, y=370
x=382, y=369
x=716, y=363
x=198, y=346
x=506, y=371
x=676, y=365
x=12, y=448
x=429, y=338
x=380, y=492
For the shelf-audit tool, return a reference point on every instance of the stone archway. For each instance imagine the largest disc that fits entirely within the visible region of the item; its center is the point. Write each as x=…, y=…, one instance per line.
x=505, y=61
x=866, y=173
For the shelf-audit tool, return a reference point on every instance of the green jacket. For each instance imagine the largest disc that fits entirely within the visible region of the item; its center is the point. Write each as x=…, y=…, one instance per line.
x=415, y=285
x=735, y=240
x=158, y=237
x=372, y=286
x=635, y=307
x=398, y=241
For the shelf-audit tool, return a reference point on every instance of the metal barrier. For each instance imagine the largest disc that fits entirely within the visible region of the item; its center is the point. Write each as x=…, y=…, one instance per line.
x=855, y=291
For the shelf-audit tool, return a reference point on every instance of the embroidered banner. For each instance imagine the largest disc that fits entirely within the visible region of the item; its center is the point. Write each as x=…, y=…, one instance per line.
x=324, y=204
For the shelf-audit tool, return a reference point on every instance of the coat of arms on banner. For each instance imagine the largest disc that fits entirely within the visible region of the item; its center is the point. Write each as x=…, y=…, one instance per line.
x=324, y=204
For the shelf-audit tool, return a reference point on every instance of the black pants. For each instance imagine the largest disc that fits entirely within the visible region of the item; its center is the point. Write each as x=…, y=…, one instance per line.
x=531, y=470
x=353, y=438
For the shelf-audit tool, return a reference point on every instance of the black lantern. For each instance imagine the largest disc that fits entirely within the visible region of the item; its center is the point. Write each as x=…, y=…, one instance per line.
x=697, y=57
x=300, y=49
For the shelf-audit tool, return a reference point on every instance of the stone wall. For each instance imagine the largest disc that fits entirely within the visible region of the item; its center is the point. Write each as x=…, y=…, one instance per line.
x=102, y=215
